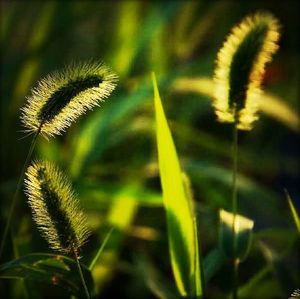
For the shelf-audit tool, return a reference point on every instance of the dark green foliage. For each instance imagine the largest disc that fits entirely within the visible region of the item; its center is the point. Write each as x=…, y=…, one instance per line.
x=55, y=270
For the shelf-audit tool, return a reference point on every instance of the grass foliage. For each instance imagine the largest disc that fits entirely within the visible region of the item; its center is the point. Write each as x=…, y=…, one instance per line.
x=182, y=230
x=147, y=203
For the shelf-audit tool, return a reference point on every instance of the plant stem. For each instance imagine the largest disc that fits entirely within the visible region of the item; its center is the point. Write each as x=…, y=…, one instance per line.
x=86, y=291
x=235, y=278
x=95, y=259
x=234, y=174
x=234, y=208
x=19, y=184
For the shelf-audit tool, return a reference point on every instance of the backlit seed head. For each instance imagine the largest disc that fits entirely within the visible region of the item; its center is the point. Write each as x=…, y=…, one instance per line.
x=240, y=68
x=61, y=97
x=295, y=294
x=55, y=208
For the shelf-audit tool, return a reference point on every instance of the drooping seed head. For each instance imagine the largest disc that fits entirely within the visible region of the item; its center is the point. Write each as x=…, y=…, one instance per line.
x=295, y=294
x=61, y=97
x=240, y=68
x=55, y=207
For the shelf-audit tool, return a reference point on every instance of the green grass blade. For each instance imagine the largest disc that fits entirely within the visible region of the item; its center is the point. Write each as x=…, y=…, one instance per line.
x=293, y=211
x=243, y=230
x=182, y=233
x=95, y=259
x=212, y=263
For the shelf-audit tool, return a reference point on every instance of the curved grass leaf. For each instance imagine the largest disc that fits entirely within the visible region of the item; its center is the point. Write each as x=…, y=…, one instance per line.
x=154, y=280
x=259, y=280
x=212, y=263
x=101, y=248
x=51, y=269
x=243, y=228
x=293, y=211
x=182, y=231
x=120, y=216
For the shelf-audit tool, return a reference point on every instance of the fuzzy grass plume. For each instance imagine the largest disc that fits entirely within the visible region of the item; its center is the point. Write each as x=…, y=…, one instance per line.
x=295, y=294
x=61, y=97
x=240, y=68
x=55, y=207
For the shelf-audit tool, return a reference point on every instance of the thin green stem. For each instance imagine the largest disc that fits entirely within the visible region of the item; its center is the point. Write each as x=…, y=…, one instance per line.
x=86, y=291
x=95, y=259
x=234, y=208
x=19, y=184
x=234, y=174
x=235, y=278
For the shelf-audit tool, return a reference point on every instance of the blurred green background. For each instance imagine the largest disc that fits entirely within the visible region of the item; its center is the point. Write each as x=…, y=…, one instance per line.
x=110, y=153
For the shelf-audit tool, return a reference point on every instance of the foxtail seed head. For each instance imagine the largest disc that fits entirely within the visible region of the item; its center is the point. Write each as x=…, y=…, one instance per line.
x=240, y=68
x=61, y=97
x=55, y=208
x=295, y=294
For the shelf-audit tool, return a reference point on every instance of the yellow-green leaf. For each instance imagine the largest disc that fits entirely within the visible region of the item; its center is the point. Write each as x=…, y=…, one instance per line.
x=182, y=229
x=293, y=211
x=243, y=229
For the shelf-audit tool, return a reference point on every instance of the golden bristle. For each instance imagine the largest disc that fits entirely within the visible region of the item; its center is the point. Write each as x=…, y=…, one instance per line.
x=243, y=56
x=60, y=98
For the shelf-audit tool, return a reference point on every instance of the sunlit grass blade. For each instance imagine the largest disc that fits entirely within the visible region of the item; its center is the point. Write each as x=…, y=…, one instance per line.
x=95, y=259
x=182, y=231
x=243, y=230
x=293, y=211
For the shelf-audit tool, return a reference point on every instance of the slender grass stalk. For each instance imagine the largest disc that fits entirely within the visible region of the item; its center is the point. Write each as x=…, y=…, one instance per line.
x=235, y=278
x=238, y=78
x=75, y=255
x=19, y=184
x=95, y=259
x=234, y=174
x=234, y=206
